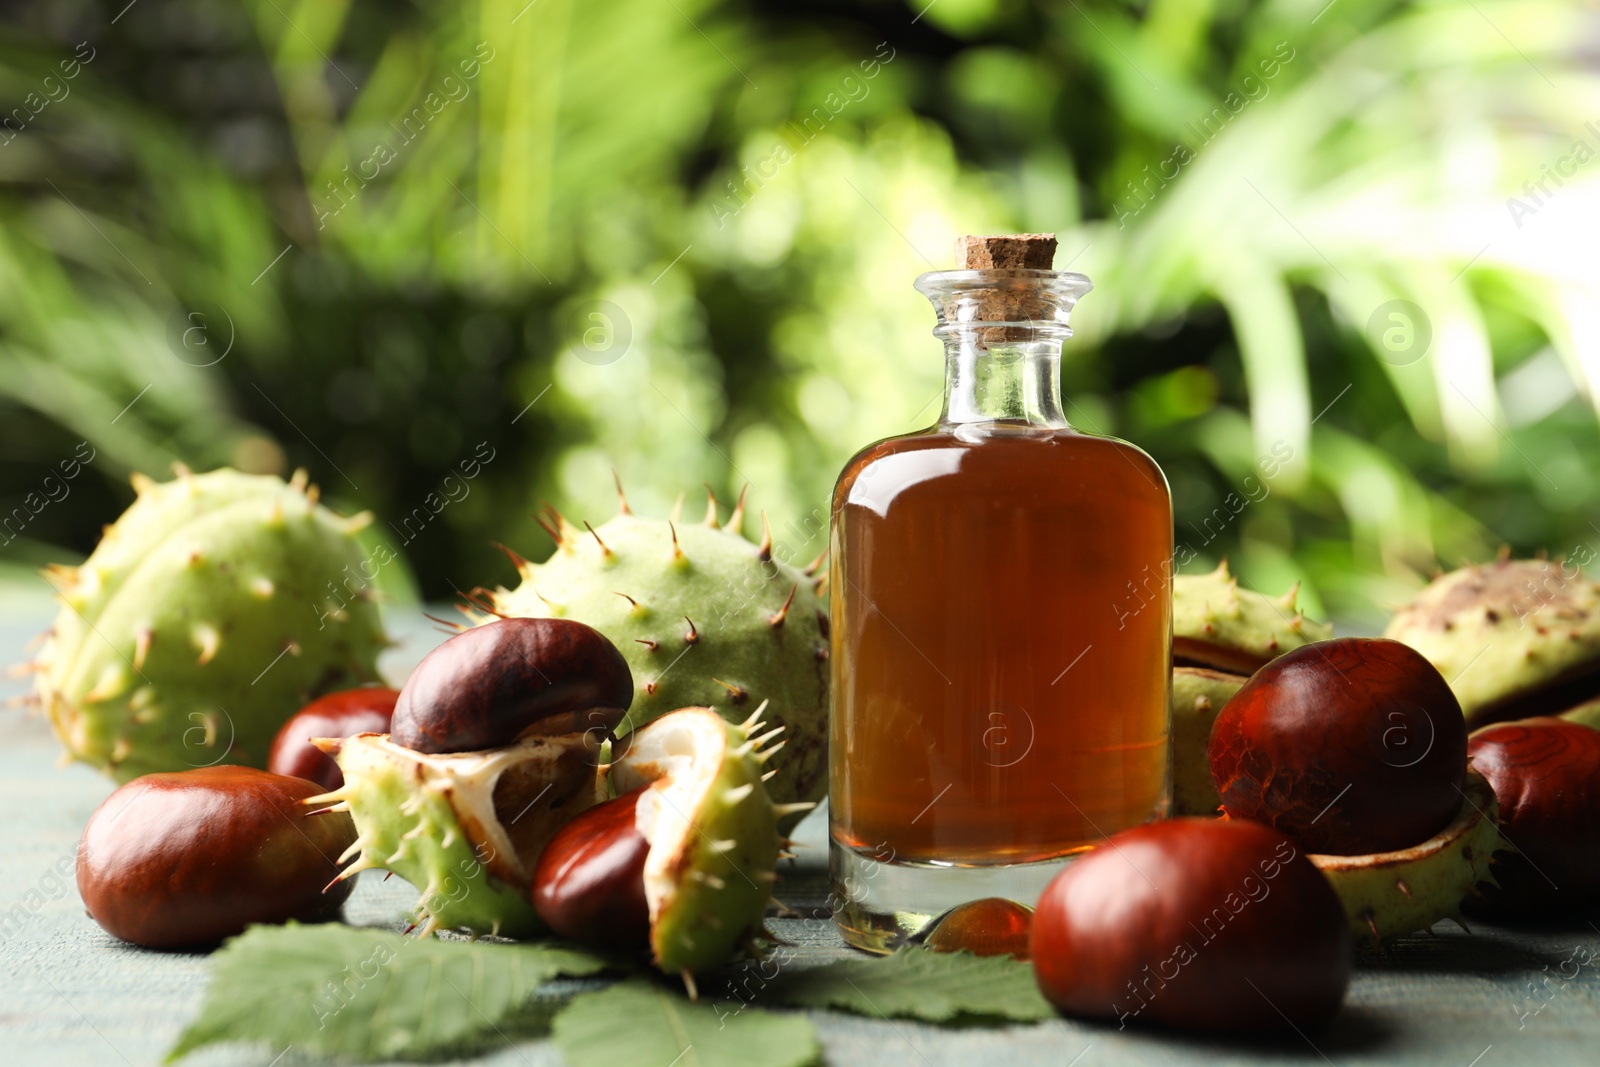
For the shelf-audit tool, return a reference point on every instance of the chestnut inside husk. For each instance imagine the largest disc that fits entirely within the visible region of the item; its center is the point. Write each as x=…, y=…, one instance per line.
x=683, y=861
x=1546, y=774
x=1387, y=894
x=513, y=678
x=1350, y=746
x=589, y=883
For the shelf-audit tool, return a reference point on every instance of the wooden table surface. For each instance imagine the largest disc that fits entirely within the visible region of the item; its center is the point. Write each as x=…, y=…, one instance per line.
x=73, y=995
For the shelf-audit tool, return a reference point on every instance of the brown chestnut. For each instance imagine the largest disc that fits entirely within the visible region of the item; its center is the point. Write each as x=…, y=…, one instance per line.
x=186, y=859
x=488, y=686
x=367, y=710
x=991, y=926
x=589, y=883
x=1350, y=746
x=1545, y=773
x=1194, y=923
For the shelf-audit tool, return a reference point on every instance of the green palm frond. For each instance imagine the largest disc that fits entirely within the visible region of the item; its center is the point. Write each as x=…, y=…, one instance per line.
x=1353, y=179
x=490, y=143
x=452, y=211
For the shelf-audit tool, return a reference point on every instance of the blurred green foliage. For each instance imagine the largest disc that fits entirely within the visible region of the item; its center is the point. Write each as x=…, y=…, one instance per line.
x=676, y=238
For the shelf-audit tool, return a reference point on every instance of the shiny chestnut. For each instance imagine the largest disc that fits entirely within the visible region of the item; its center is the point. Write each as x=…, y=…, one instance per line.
x=1545, y=773
x=1350, y=746
x=512, y=678
x=589, y=883
x=990, y=926
x=186, y=859
x=1197, y=924
x=343, y=714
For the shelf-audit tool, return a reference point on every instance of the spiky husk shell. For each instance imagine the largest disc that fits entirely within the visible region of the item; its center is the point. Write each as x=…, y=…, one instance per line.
x=713, y=833
x=1585, y=714
x=465, y=828
x=198, y=624
x=1197, y=696
x=1216, y=624
x=704, y=618
x=1387, y=894
x=1500, y=631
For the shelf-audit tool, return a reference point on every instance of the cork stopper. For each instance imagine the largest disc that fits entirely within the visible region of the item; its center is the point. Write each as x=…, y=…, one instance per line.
x=1015, y=300
x=1015, y=251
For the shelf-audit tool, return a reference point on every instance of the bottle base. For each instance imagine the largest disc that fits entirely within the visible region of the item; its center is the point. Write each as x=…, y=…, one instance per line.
x=877, y=905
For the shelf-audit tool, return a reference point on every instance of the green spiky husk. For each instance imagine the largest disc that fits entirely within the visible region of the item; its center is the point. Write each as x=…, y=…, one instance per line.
x=1212, y=612
x=432, y=820
x=1392, y=893
x=709, y=896
x=1197, y=697
x=199, y=625
x=736, y=656
x=1585, y=714
x=1503, y=630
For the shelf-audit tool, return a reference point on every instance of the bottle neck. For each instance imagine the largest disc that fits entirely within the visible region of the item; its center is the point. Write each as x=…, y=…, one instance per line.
x=1002, y=330
x=1016, y=381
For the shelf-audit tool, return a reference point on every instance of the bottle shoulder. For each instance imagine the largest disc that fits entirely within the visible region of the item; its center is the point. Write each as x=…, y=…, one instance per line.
x=866, y=458
x=987, y=451
x=1066, y=442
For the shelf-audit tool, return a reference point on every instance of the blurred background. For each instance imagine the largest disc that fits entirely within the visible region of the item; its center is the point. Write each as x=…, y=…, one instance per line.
x=1344, y=255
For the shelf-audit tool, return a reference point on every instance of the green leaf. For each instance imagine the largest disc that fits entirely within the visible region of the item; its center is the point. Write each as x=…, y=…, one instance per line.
x=638, y=1021
x=368, y=994
x=915, y=983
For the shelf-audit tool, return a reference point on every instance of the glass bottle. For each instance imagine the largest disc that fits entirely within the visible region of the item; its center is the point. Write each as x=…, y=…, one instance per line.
x=1001, y=627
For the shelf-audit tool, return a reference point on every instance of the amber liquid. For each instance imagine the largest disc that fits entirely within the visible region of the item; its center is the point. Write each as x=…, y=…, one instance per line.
x=1000, y=611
